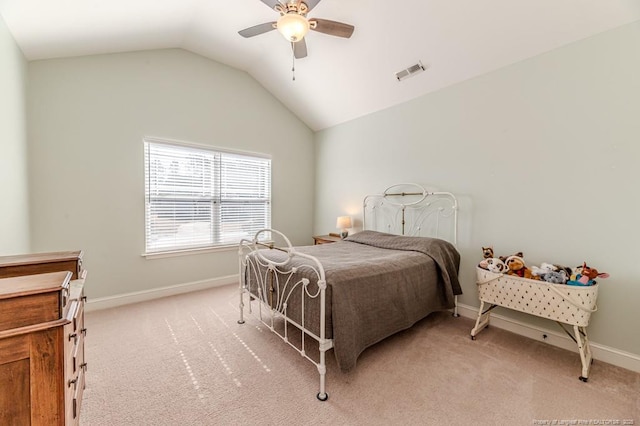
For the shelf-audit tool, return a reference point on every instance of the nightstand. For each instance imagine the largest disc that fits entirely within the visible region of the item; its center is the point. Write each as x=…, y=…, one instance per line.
x=325, y=239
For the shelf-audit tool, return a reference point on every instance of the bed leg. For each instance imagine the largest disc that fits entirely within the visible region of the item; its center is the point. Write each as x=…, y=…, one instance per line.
x=241, y=268
x=241, y=306
x=455, y=306
x=322, y=369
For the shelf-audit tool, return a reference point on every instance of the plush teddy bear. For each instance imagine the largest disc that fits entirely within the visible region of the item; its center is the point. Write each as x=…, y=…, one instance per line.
x=586, y=276
x=516, y=266
x=555, y=277
x=518, y=254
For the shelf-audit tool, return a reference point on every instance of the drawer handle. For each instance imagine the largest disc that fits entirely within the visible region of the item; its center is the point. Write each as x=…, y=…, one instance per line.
x=83, y=298
x=73, y=382
x=83, y=331
x=73, y=336
x=84, y=366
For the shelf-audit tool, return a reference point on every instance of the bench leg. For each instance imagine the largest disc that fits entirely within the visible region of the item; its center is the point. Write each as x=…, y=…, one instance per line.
x=482, y=321
x=585, y=350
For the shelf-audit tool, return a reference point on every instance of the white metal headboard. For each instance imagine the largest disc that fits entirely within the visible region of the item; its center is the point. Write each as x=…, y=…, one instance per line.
x=409, y=209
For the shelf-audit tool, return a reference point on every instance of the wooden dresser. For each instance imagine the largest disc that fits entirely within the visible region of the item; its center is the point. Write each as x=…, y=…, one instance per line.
x=42, y=332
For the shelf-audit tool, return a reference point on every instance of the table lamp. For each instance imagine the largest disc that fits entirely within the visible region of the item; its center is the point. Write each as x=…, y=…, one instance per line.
x=343, y=223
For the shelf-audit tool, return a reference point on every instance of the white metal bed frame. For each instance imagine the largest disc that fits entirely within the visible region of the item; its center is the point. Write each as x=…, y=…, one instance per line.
x=427, y=212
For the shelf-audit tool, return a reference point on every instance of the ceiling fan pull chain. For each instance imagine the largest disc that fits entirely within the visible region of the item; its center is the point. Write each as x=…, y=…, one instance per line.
x=293, y=65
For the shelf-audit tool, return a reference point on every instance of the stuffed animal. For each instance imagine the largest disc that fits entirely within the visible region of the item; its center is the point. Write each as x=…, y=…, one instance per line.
x=496, y=265
x=504, y=258
x=493, y=264
x=586, y=276
x=516, y=266
x=566, y=269
x=487, y=252
x=542, y=269
x=575, y=272
x=593, y=273
x=554, y=277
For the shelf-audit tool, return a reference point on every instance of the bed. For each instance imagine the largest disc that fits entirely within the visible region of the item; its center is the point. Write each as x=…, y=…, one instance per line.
x=353, y=293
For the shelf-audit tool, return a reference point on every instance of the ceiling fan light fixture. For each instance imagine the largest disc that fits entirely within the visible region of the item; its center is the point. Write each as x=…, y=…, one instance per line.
x=293, y=26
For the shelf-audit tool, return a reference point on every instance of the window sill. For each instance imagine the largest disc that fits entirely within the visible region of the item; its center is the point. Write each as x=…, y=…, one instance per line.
x=188, y=252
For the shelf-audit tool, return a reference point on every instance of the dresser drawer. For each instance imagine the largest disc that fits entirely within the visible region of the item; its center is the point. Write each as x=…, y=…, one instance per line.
x=76, y=287
x=74, y=364
x=33, y=299
x=74, y=334
x=73, y=398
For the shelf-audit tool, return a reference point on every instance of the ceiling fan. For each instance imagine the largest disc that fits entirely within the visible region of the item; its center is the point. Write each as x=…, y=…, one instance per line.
x=293, y=24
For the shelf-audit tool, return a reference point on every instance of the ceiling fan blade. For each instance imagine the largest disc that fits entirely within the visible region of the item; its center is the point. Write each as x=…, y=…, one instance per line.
x=299, y=49
x=311, y=4
x=333, y=28
x=257, y=29
x=271, y=3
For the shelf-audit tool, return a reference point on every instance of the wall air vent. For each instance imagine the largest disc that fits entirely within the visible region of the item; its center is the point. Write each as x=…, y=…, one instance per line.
x=411, y=71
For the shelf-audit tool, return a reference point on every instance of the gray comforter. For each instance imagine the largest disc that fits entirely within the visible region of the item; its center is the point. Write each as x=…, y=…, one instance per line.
x=379, y=284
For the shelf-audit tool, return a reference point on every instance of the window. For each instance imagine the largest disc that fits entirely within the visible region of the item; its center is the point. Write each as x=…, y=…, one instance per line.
x=197, y=197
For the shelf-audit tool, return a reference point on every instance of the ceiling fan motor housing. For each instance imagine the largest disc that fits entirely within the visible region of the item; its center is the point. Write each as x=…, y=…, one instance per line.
x=292, y=7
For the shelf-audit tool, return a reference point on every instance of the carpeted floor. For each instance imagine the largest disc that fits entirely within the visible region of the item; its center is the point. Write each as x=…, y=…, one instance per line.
x=184, y=360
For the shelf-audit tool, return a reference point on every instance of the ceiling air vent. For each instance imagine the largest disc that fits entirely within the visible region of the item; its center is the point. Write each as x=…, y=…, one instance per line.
x=409, y=72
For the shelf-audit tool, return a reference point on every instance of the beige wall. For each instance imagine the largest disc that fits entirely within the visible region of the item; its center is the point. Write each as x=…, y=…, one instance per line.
x=14, y=213
x=543, y=155
x=87, y=118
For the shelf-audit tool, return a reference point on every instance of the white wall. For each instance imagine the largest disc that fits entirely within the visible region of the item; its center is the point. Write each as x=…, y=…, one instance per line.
x=543, y=154
x=87, y=118
x=14, y=210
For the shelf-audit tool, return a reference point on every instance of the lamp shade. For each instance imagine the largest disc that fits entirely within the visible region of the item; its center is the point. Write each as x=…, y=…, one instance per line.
x=293, y=26
x=344, y=222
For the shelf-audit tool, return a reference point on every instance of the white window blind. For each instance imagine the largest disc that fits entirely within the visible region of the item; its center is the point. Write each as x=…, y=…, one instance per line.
x=196, y=197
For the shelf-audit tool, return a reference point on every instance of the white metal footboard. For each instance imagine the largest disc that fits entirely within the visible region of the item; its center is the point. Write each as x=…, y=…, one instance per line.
x=271, y=276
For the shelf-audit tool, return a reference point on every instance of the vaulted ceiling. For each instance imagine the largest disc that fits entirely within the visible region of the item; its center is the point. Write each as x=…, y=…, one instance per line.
x=341, y=79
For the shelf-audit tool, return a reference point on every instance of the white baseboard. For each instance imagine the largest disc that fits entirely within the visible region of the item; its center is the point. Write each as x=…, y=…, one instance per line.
x=156, y=293
x=600, y=352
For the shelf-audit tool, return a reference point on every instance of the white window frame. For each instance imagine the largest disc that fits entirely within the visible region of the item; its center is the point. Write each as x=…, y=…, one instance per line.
x=216, y=164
